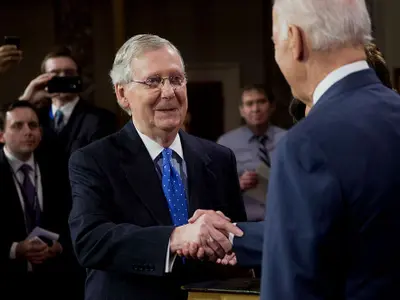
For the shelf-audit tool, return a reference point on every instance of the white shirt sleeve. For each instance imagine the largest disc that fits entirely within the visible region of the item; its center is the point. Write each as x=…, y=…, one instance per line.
x=231, y=235
x=170, y=259
x=13, y=251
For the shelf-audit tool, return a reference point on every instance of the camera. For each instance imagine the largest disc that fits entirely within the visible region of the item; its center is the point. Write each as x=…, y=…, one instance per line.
x=65, y=84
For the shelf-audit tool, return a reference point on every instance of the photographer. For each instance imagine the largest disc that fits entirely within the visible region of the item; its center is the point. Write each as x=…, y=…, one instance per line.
x=66, y=117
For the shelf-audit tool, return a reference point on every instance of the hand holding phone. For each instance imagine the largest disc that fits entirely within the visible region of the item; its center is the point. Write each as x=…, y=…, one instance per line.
x=10, y=55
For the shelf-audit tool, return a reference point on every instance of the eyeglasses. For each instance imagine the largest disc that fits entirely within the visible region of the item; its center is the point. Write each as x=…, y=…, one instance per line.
x=157, y=82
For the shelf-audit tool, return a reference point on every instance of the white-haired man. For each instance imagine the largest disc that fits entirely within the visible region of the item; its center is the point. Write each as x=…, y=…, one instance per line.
x=332, y=224
x=134, y=190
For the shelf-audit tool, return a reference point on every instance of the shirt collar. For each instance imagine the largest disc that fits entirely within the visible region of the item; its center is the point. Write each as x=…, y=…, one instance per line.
x=250, y=135
x=155, y=149
x=66, y=109
x=337, y=75
x=15, y=163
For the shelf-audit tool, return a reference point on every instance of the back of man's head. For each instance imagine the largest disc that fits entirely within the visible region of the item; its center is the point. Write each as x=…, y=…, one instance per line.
x=327, y=24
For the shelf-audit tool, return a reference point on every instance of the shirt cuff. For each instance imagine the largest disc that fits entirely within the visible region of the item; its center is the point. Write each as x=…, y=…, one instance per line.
x=13, y=250
x=170, y=259
x=231, y=236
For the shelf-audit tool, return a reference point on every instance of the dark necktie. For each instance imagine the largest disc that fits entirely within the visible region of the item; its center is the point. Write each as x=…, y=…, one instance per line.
x=58, y=121
x=174, y=190
x=262, y=150
x=32, y=211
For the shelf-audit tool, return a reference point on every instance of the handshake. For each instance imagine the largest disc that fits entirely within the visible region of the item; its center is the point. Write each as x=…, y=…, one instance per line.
x=206, y=237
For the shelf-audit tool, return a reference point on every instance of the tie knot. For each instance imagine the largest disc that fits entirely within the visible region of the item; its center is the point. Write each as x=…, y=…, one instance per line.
x=262, y=139
x=167, y=153
x=58, y=114
x=25, y=169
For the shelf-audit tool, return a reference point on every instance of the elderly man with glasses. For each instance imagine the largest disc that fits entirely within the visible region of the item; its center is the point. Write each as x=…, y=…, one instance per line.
x=134, y=190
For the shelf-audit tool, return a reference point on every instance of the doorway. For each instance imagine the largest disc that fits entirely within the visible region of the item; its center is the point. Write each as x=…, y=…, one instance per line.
x=206, y=108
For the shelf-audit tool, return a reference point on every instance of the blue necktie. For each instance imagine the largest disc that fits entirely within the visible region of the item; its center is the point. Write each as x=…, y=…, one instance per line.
x=32, y=211
x=58, y=121
x=174, y=190
x=262, y=150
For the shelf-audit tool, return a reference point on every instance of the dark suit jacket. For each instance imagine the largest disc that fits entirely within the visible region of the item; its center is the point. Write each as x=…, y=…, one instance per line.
x=86, y=124
x=332, y=224
x=56, y=203
x=120, y=222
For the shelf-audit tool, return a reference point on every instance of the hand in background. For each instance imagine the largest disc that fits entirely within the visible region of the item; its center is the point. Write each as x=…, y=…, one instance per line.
x=198, y=251
x=36, y=92
x=248, y=180
x=204, y=236
x=34, y=250
x=10, y=56
x=55, y=249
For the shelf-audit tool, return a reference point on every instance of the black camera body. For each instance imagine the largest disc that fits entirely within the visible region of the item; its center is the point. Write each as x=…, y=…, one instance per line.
x=65, y=84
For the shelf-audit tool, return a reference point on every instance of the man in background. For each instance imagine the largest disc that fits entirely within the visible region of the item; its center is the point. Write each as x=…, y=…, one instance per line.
x=34, y=193
x=67, y=118
x=253, y=144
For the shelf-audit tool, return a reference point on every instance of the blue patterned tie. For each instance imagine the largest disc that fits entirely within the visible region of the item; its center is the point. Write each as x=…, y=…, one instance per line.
x=174, y=190
x=58, y=121
x=32, y=211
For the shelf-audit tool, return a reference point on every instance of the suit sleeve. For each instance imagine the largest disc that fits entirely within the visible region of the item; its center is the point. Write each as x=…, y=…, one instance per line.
x=100, y=243
x=303, y=247
x=248, y=248
x=236, y=204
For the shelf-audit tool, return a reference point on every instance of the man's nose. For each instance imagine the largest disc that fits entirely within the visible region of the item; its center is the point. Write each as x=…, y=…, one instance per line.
x=167, y=90
x=26, y=129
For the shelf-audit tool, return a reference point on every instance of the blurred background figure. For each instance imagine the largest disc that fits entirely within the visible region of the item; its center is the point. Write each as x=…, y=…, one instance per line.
x=69, y=121
x=253, y=143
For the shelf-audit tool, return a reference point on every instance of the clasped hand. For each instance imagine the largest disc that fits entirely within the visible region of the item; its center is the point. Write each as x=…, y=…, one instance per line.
x=206, y=236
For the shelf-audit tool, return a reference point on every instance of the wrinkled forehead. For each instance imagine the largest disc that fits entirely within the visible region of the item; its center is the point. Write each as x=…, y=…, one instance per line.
x=163, y=61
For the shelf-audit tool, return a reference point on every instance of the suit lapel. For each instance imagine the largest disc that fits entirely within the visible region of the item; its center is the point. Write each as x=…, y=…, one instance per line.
x=200, y=177
x=11, y=194
x=141, y=174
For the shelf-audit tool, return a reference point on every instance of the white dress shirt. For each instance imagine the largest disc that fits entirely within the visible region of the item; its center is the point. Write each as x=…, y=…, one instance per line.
x=337, y=75
x=16, y=164
x=66, y=109
x=154, y=150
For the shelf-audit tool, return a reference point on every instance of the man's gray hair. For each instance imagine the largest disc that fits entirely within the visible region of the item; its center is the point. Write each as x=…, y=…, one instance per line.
x=328, y=24
x=136, y=46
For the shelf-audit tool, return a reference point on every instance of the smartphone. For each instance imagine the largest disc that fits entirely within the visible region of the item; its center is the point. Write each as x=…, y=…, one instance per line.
x=12, y=40
x=65, y=84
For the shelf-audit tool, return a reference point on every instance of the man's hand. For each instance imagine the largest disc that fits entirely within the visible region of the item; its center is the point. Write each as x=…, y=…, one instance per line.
x=208, y=232
x=34, y=250
x=36, y=92
x=248, y=180
x=229, y=259
x=9, y=57
x=198, y=251
x=55, y=249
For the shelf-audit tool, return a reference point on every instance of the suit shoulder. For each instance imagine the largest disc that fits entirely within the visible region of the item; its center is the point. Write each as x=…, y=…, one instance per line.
x=98, y=149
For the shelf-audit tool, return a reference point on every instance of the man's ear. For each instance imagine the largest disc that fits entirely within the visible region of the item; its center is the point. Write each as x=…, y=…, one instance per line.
x=2, y=137
x=120, y=93
x=296, y=42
